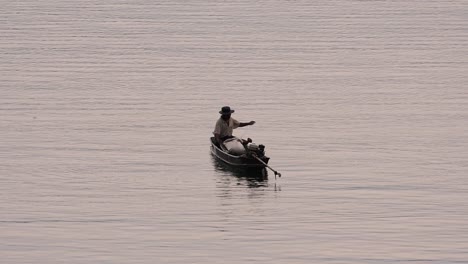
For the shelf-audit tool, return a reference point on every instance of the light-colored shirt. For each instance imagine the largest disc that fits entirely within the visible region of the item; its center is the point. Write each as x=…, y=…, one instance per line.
x=224, y=128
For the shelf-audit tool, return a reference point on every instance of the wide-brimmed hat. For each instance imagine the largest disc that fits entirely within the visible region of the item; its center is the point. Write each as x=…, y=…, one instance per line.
x=226, y=110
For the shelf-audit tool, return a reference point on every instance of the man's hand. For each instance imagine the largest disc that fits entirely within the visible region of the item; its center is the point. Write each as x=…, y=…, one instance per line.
x=246, y=124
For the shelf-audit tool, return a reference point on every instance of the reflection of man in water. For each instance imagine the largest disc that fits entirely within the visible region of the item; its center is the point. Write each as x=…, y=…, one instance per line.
x=225, y=125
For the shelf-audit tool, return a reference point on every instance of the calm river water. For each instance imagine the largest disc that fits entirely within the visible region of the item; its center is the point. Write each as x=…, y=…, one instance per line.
x=106, y=108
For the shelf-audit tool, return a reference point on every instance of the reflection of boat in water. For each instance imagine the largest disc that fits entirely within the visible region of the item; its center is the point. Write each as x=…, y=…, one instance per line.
x=257, y=174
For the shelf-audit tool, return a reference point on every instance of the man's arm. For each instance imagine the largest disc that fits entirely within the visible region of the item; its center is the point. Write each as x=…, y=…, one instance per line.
x=217, y=138
x=217, y=132
x=246, y=124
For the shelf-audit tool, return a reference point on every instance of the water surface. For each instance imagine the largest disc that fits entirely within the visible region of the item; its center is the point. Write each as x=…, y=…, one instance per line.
x=106, y=109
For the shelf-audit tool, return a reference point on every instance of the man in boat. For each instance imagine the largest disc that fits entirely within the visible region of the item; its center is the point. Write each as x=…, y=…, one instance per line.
x=225, y=125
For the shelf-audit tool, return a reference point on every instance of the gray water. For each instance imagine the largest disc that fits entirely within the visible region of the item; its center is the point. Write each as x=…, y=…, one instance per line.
x=106, y=108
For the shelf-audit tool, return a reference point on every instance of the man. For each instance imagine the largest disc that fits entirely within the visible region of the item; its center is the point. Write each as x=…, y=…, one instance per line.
x=225, y=125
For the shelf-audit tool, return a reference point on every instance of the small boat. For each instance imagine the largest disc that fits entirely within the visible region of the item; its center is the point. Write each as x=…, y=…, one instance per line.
x=236, y=153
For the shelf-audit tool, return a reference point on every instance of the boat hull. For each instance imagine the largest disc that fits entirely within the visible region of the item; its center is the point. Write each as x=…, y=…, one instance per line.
x=238, y=161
